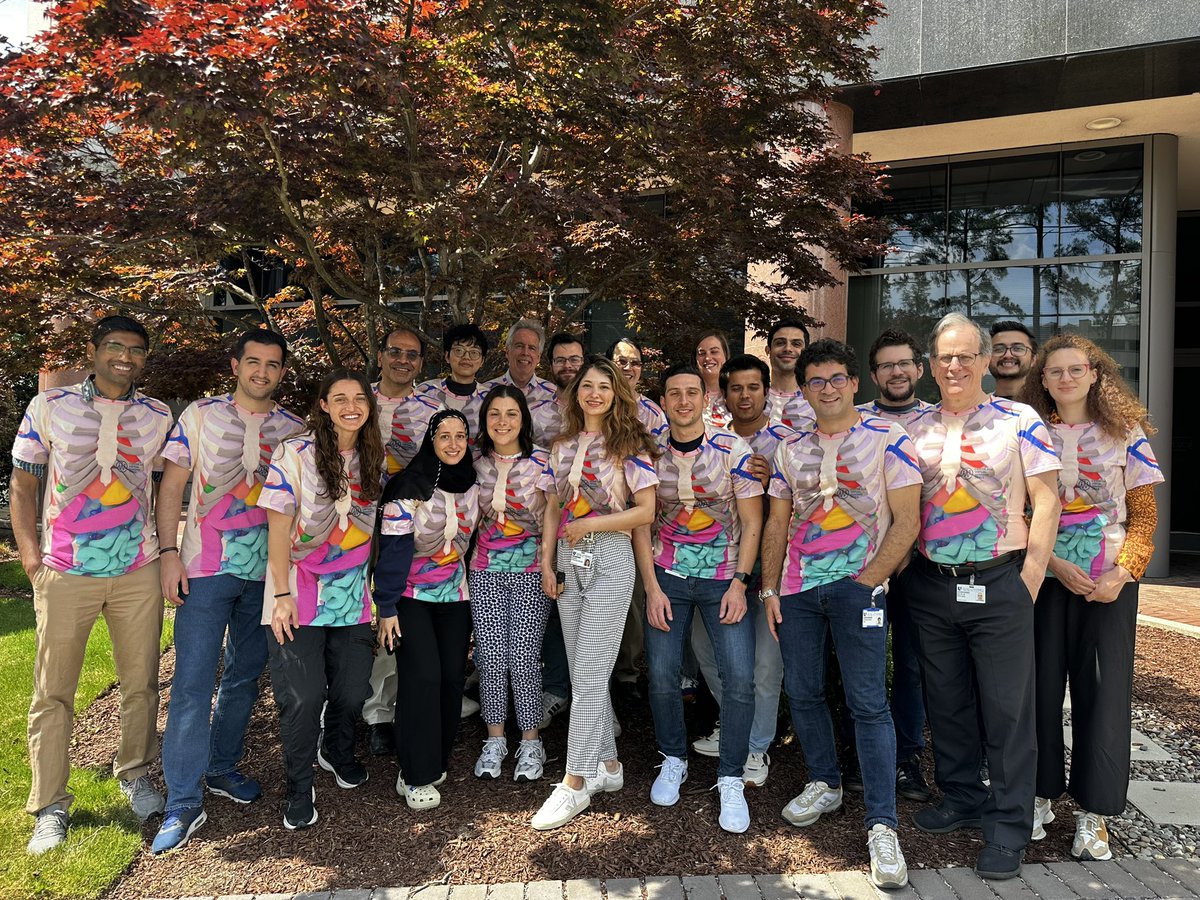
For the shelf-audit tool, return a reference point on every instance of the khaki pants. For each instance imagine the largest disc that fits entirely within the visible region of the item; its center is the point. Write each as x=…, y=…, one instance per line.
x=66, y=607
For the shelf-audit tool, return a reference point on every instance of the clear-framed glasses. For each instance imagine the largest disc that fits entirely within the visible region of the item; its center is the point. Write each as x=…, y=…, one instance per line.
x=1017, y=350
x=1074, y=372
x=471, y=353
x=116, y=348
x=567, y=361
x=966, y=360
x=401, y=353
x=838, y=382
x=904, y=365
x=627, y=362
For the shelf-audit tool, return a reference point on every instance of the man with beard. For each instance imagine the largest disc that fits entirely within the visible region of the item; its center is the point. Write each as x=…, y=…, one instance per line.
x=785, y=403
x=565, y=352
x=1013, y=350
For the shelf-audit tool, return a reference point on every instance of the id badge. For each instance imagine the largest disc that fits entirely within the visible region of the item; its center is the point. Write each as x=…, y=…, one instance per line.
x=873, y=617
x=581, y=559
x=970, y=593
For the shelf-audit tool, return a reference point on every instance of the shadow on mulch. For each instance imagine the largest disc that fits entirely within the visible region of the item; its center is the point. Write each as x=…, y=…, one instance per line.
x=368, y=838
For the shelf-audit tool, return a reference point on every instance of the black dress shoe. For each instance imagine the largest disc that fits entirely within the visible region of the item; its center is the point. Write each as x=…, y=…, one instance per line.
x=380, y=739
x=910, y=783
x=944, y=819
x=998, y=862
x=852, y=776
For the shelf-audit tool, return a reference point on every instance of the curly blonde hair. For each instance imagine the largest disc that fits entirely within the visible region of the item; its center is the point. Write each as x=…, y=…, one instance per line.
x=1110, y=402
x=624, y=434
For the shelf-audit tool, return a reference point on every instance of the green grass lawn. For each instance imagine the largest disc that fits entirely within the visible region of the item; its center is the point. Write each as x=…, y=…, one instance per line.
x=104, y=836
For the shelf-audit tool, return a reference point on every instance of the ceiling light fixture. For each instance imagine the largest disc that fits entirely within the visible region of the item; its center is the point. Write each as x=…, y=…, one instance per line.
x=1104, y=123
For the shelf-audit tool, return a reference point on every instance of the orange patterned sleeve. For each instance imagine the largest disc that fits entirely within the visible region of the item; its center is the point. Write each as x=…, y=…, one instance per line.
x=1141, y=517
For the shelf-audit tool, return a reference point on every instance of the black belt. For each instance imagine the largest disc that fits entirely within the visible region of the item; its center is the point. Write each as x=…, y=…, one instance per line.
x=974, y=568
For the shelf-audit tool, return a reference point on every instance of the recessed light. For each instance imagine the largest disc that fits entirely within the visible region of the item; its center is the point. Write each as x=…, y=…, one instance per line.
x=1104, y=123
x=1089, y=155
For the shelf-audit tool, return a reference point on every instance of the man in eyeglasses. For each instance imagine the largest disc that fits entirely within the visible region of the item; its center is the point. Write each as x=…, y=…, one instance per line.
x=565, y=352
x=465, y=347
x=971, y=588
x=1013, y=349
x=626, y=355
x=844, y=501
x=93, y=446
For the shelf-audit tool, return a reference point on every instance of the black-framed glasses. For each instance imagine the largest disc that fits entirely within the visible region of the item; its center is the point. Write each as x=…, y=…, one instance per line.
x=471, y=353
x=116, y=348
x=567, y=361
x=401, y=353
x=838, y=382
x=966, y=360
x=1017, y=350
x=904, y=365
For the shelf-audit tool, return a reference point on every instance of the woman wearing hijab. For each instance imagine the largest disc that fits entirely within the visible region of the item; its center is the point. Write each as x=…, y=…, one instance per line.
x=429, y=513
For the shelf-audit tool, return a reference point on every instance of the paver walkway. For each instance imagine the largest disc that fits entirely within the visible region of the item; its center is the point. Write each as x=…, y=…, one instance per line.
x=1114, y=880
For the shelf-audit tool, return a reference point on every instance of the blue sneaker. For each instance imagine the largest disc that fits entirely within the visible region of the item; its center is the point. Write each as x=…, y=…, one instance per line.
x=234, y=785
x=177, y=828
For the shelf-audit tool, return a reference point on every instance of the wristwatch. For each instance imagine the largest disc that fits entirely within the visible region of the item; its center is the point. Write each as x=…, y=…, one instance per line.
x=743, y=577
x=767, y=593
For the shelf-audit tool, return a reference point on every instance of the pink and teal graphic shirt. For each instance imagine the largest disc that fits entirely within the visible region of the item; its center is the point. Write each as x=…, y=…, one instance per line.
x=697, y=530
x=439, y=393
x=974, y=466
x=99, y=455
x=402, y=424
x=591, y=483
x=1097, y=471
x=512, y=501
x=789, y=408
x=441, y=528
x=228, y=450
x=331, y=539
x=838, y=486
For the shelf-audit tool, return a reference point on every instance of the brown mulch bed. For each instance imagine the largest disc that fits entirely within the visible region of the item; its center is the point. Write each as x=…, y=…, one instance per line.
x=368, y=838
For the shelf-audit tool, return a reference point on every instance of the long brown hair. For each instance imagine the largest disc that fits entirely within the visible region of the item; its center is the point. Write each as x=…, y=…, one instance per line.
x=1110, y=402
x=368, y=442
x=624, y=433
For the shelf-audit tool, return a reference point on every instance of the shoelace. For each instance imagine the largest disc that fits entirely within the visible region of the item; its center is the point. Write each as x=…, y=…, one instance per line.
x=1090, y=825
x=141, y=789
x=730, y=789
x=528, y=752
x=814, y=791
x=886, y=846
x=46, y=825
x=671, y=767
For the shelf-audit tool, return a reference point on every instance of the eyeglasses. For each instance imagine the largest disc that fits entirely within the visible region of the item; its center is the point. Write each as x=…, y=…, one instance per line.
x=1017, y=350
x=838, y=381
x=627, y=362
x=471, y=353
x=1075, y=372
x=399, y=353
x=904, y=365
x=966, y=360
x=116, y=348
x=567, y=360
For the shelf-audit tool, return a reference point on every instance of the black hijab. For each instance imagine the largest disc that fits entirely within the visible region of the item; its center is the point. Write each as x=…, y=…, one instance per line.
x=426, y=471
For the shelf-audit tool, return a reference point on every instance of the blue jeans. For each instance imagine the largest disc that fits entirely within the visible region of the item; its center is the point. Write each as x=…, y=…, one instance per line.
x=556, y=673
x=808, y=619
x=734, y=649
x=199, y=741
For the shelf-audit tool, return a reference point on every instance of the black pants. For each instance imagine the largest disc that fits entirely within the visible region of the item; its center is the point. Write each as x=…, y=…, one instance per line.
x=994, y=640
x=322, y=663
x=1092, y=643
x=431, y=664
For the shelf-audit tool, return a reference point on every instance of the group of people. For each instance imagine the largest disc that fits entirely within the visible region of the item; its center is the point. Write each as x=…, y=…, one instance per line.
x=754, y=521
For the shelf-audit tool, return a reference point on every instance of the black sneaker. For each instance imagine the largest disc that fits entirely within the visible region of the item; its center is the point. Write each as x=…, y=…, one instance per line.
x=348, y=775
x=998, y=862
x=944, y=819
x=301, y=811
x=910, y=783
x=852, y=776
x=381, y=739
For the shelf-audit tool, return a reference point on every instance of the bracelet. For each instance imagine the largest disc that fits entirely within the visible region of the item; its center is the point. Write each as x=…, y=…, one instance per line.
x=284, y=594
x=162, y=550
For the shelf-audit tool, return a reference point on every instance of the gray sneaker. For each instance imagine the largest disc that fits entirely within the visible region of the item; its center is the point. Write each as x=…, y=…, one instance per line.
x=144, y=799
x=49, y=830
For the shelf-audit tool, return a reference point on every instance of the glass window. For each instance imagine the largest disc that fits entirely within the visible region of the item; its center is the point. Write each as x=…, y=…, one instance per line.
x=1101, y=204
x=917, y=216
x=1003, y=209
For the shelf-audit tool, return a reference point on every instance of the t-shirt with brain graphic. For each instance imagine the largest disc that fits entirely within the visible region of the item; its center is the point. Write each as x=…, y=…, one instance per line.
x=974, y=466
x=590, y=482
x=402, y=424
x=697, y=531
x=441, y=528
x=1097, y=472
x=838, y=486
x=228, y=450
x=512, y=501
x=99, y=456
x=331, y=539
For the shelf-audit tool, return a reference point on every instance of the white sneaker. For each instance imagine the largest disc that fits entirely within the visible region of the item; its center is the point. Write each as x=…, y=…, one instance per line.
x=756, y=769
x=552, y=705
x=735, y=814
x=561, y=807
x=49, y=830
x=1043, y=815
x=671, y=774
x=531, y=761
x=888, y=869
x=494, y=751
x=605, y=781
x=1091, y=837
x=711, y=745
x=469, y=707
x=144, y=798
x=424, y=796
x=815, y=800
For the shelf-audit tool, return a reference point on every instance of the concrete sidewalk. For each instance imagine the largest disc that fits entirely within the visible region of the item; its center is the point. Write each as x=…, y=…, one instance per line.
x=1115, y=880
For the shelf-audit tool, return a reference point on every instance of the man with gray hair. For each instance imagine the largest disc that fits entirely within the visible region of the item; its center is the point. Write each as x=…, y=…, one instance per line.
x=971, y=589
x=523, y=348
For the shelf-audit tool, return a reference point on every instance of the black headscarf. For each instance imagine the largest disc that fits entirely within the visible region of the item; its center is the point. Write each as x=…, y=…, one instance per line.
x=426, y=471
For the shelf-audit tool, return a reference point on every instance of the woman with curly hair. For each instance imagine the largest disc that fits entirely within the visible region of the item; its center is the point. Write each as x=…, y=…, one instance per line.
x=604, y=475
x=320, y=496
x=1086, y=615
